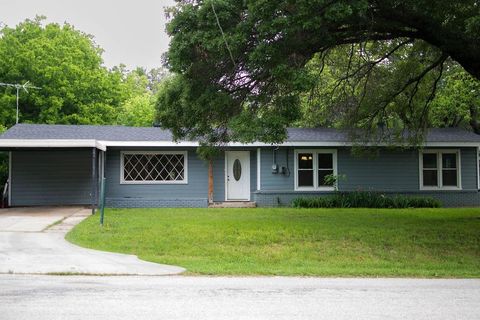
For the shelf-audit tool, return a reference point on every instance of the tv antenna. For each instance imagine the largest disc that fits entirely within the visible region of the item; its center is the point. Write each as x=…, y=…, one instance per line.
x=18, y=87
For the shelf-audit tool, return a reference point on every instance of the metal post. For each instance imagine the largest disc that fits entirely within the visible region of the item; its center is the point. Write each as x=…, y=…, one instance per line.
x=17, y=87
x=102, y=200
x=99, y=176
x=94, y=181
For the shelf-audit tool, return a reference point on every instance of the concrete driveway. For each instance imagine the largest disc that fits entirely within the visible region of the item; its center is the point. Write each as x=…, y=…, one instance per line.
x=32, y=242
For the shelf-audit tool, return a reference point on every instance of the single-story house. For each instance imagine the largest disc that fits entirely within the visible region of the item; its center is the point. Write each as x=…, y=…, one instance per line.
x=144, y=167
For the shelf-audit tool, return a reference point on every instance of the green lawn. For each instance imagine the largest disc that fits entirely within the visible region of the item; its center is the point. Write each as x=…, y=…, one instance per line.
x=287, y=241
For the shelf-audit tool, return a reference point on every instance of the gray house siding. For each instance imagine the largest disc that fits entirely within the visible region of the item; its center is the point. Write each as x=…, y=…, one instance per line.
x=63, y=177
x=218, y=178
x=276, y=182
x=192, y=194
x=469, y=168
x=395, y=170
x=389, y=171
x=51, y=177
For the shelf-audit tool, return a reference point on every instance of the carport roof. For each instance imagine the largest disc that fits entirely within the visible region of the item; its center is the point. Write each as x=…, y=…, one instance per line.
x=86, y=132
x=42, y=135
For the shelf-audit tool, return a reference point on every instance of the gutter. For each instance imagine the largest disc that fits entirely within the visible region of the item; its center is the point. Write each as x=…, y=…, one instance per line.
x=104, y=144
x=51, y=143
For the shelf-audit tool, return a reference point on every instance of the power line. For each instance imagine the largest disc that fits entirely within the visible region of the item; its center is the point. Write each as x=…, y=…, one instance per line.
x=18, y=86
x=223, y=34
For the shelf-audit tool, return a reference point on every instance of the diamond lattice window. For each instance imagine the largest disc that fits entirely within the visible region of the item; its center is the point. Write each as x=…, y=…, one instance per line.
x=153, y=167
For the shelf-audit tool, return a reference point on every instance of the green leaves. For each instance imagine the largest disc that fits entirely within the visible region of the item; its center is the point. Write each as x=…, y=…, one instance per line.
x=76, y=88
x=402, y=45
x=65, y=63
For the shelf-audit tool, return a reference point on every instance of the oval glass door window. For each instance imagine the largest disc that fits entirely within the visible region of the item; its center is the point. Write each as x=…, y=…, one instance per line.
x=237, y=169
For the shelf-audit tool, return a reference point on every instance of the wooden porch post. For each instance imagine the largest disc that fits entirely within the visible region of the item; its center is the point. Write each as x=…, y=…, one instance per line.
x=94, y=180
x=210, y=181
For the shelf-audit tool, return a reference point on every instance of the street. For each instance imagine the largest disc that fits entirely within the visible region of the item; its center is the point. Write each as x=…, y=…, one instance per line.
x=184, y=297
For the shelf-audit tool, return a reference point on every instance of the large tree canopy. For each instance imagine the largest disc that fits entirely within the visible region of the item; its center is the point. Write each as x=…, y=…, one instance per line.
x=380, y=97
x=76, y=88
x=66, y=64
x=242, y=66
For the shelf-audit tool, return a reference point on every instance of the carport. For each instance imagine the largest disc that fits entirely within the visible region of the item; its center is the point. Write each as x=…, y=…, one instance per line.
x=46, y=172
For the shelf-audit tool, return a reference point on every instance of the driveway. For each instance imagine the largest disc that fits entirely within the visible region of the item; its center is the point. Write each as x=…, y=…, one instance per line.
x=32, y=242
x=279, y=298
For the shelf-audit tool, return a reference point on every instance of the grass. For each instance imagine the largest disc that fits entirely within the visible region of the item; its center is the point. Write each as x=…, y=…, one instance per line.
x=288, y=241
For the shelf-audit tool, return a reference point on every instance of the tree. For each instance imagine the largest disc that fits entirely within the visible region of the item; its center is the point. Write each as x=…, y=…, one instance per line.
x=76, y=88
x=66, y=64
x=155, y=77
x=138, y=88
x=457, y=103
x=241, y=65
x=138, y=111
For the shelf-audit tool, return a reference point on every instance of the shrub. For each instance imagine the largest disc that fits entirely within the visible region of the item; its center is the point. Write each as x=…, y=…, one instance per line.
x=365, y=200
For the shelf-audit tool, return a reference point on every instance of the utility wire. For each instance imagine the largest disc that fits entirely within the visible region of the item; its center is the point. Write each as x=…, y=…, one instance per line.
x=223, y=34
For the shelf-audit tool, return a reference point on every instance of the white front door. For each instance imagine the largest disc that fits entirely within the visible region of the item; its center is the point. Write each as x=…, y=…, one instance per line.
x=237, y=180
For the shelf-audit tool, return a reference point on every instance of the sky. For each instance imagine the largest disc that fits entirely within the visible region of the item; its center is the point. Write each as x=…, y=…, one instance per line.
x=131, y=32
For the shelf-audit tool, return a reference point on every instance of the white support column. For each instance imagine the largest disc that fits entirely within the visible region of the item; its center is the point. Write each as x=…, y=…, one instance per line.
x=259, y=171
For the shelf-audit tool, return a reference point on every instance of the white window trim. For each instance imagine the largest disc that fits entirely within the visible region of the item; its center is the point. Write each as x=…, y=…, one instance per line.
x=185, y=167
x=439, y=152
x=315, y=153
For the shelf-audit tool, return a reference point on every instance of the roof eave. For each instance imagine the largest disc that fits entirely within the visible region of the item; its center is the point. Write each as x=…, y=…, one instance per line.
x=103, y=144
x=51, y=143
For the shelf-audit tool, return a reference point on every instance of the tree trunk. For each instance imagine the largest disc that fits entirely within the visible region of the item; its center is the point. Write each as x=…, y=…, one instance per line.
x=210, y=181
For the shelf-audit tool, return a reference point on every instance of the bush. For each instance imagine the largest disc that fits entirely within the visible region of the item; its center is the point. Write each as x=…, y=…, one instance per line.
x=365, y=200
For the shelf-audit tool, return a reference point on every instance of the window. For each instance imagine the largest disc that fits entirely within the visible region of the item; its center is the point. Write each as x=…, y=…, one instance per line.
x=305, y=170
x=430, y=169
x=312, y=167
x=440, y=169
x=325, y=169
x=145, y=167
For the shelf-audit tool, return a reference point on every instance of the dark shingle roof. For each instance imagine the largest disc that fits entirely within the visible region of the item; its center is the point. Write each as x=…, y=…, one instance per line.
x=335, y=135
x=90, y=132
x=122, y=133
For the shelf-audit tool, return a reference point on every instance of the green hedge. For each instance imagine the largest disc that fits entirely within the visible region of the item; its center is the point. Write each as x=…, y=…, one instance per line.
x=365, y=200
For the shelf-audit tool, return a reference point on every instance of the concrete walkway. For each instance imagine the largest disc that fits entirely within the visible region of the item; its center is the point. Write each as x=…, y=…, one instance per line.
x=32, y=242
